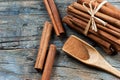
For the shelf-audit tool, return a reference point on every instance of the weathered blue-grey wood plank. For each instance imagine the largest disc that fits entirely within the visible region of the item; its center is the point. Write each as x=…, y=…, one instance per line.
x=18, y=65
x=21, y=24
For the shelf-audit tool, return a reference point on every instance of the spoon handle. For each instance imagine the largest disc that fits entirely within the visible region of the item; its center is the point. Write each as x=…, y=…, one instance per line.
x=114, y=71
x=107, y=67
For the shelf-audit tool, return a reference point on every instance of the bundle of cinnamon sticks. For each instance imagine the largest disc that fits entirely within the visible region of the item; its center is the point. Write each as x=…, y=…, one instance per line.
x=107, y=36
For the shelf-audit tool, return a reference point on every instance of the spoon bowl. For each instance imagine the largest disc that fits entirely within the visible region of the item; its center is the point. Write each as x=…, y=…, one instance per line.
x=87, y=54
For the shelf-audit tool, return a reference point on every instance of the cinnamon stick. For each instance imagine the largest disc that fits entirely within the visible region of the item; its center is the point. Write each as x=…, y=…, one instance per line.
x=109, y=51
x=100, y=27
x=98, y=40
x=100, y=15
x=54, y=15
x=44, y=42
x=103, y=9
x=49, y=63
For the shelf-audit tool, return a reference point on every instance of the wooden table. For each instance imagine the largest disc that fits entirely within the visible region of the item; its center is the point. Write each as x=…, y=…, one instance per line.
x=21, y=24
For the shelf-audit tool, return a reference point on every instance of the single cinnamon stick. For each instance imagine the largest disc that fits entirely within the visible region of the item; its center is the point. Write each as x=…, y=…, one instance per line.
x=117, y=47
x=98, y=40
x=101, y=27
x=103, y=9
x=49, y=63
x=109, y=51
x=54, y=15
x=100, y=15
x=44, y=42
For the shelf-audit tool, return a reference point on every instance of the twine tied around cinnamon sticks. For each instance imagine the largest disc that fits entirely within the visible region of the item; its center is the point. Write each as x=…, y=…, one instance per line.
x=92, y=12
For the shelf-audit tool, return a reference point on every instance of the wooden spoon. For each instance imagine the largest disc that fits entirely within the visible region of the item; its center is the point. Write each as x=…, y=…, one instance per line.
x=85, y=53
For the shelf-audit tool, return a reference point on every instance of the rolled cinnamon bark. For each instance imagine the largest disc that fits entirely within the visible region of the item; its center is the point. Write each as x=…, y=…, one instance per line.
x=54, y=16
x=100, y=15
x=44, y=42
x=109, y=51
x=117, y=47
x=103, y=9
x=49, y=63
x=98, y=40
x=101, y=27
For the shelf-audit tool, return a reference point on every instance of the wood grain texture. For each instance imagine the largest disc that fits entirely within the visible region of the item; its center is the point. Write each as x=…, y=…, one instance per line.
x=21, y=24
x=76, y=49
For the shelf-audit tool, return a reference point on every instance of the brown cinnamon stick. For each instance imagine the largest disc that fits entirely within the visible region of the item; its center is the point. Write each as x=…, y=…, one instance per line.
x=98, y=40
x=102, y=16
x=103, y=9
x=54, y=15
x=49, y=63
x=109, y=51
x=44, y=42
x=100, y=27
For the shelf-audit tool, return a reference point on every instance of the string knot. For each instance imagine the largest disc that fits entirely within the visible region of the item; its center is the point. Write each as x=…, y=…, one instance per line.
x=92, y=13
